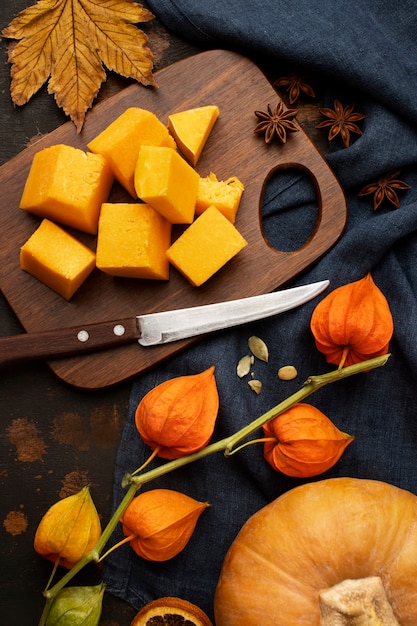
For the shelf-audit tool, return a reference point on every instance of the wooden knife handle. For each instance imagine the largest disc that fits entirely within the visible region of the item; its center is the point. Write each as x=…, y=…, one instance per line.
x=63, y=342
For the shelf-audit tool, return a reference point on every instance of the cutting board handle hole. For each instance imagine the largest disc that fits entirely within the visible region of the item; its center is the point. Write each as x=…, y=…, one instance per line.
x=289, y=209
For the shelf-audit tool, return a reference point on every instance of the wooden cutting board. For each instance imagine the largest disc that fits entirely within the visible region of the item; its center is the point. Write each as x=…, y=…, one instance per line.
x=239, y=88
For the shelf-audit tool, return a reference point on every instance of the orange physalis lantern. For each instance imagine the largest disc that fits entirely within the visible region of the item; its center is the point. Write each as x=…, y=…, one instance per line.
x=353, y=323
x=177, y=417
x=303, y=442
x=69, y=529
x=160, y=523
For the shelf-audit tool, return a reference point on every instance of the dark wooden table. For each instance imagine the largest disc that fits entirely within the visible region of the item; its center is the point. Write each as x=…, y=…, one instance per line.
x=55, y=439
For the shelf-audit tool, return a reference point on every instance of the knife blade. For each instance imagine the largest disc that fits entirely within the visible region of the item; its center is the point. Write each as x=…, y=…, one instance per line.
x=154, y=329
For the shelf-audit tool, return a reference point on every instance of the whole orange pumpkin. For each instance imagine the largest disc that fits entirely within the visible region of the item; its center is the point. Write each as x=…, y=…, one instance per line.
x=312, y=538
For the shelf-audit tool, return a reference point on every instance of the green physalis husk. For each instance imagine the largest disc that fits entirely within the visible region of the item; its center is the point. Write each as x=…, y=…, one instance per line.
x=76, y=606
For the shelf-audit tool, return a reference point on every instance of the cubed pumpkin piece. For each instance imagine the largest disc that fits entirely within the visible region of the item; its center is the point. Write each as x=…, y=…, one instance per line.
x=225, y=195
x=67, y=185
x=192, y=128
x=167, y=182
x=57, y=259
x=119, y=142
x=205, y=246
x=132, y=241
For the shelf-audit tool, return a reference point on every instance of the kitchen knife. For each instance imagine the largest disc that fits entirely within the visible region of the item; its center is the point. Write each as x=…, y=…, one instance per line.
x=154, y=328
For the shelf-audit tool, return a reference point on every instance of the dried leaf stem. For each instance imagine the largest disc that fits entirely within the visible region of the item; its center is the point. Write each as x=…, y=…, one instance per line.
x=227, y=445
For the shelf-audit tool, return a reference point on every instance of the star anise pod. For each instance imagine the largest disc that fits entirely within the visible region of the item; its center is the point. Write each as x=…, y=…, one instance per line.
x=276, y=123
x=385, y=188
x=341, y=120
x=295, y=85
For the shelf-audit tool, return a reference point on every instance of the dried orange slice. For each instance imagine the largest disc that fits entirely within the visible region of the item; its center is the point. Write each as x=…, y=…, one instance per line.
x=171, y=612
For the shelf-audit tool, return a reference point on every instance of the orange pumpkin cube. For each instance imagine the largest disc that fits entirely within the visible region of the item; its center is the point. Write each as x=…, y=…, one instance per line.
x=120, y=142
x=192, y=128
x=205, y=246
x=167, y=182
x=67, y=185
x=57, y=259
x=132, y=241
x=225, y=195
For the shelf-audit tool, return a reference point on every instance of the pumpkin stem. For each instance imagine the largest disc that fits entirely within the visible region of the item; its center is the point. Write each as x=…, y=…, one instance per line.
x=359, y=602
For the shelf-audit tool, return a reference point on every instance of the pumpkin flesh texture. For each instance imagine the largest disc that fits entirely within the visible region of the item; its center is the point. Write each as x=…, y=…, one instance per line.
x=312, y=538
x=57, y=259
x=205, y=247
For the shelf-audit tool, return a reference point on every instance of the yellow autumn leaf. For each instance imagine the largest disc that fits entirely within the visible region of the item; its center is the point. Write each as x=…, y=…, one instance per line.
x=70, y=42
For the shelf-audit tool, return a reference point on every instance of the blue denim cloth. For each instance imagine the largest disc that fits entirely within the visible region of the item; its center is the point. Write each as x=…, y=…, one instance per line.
x=371, y=53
